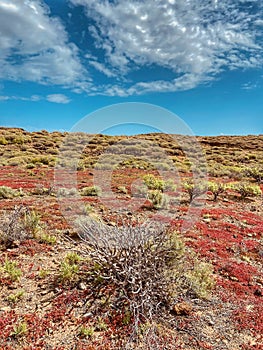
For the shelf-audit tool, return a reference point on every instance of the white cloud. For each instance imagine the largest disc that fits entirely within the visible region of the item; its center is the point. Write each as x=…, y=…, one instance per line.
x=58, y=98
x=194, y=39
x=101, y=68
x=55, y=98
x=250, y=85
x=34, y=46
x=259, y=22
x=20, y=98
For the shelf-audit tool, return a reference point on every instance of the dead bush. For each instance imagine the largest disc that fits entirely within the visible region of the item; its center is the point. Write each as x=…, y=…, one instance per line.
x=144, y=270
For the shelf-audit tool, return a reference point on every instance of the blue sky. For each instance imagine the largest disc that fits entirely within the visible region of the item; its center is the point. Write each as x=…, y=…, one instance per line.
x=200, y=59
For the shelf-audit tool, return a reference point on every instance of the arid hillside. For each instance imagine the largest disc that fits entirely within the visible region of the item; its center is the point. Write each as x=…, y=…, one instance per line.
x=143, y=242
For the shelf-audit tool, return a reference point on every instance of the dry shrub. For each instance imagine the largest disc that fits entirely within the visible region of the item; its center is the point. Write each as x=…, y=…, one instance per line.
x=145, y=269
x=22, y=223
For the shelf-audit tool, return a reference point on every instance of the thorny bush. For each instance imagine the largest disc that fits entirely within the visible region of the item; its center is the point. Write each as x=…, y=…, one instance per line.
x=147, y=267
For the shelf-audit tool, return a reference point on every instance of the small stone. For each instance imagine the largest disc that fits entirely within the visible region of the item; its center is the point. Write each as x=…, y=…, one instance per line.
x=15, y=244
x=207, y=220
x=44, y=292
x=82, y=286
x=233, y=278
x=210, y=322
x=112, y=223
x=182, y=308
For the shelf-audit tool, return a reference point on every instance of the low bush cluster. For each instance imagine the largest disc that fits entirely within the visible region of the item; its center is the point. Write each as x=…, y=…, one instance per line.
x=9, y=193
x=245, y=189
x=154, y=189
x=22, y=223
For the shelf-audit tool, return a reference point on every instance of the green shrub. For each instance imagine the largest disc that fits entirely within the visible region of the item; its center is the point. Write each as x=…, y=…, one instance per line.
x=234, y=172
x=67, y=272
x=255, y=173
x=101, y=325
x=69, y=267
x=73, y=258
x=19, y=330
x=8, y=192
x=246, y=189
x=11, y=270
x=42, y=191
x=157, y=198
x=86, y=332
x=14, y=298
x=3, y=141
x=31, y=223
x=194, y=190
x=43, y=273
x=91, y=191
x=216, y=189
x=122, y=189
x=41, y=160
x=48, y=239
x=201, y=280
x=153, y=183
x=22, y=223
x=30, y=166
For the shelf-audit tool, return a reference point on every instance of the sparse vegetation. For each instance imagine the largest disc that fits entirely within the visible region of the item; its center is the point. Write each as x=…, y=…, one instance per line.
x=14, y=298
x=246, y=189
x=46, y=238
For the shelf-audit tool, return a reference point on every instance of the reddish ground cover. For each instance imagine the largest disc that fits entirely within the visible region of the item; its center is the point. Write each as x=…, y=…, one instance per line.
x=228, y=234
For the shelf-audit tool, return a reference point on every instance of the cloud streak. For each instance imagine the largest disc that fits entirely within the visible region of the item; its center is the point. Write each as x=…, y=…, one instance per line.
x=54, y=98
